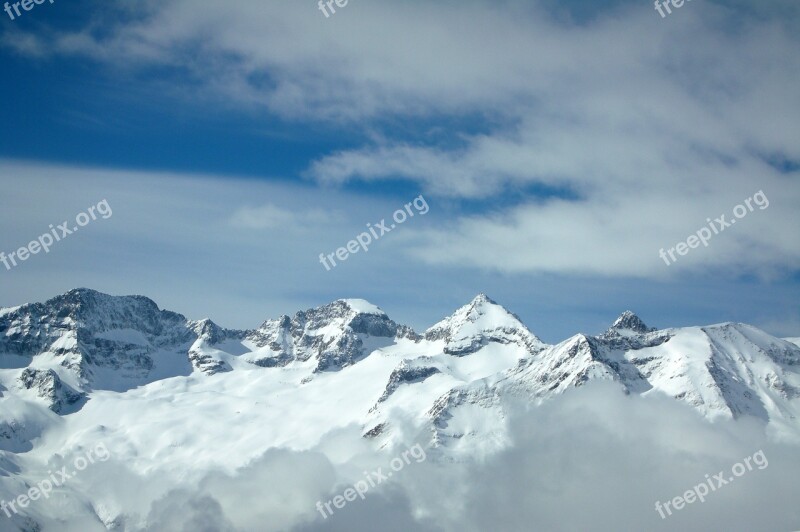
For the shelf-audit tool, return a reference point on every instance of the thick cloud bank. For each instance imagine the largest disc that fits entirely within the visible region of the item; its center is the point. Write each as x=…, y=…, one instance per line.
x=593, y=459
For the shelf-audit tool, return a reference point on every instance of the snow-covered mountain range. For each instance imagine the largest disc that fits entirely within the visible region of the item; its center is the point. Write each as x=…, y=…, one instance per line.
x=157, y=387
x=62, y=353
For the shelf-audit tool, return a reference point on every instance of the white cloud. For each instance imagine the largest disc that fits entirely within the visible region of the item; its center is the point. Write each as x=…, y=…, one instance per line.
x=622, y=236
x=236, y=250
x=654, y=124
x=593, y=459
x=269, y=216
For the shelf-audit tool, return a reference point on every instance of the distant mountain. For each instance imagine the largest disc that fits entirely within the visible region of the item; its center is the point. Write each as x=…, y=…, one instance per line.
x=84, y=340
x=59, y=353
x=85, y=360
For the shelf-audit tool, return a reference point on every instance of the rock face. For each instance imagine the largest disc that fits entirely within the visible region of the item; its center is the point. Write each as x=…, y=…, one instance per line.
x=628, y=321
x=97, y=341
x=630, y=332
x=332, y=336
x=49, y=387
x=407, y=373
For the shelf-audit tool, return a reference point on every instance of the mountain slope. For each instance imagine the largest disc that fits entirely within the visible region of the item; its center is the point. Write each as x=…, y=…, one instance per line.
x=84, y=340
x=155, y=384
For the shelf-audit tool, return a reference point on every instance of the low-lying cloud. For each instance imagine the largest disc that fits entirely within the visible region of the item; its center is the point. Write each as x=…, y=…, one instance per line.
x=591, y=459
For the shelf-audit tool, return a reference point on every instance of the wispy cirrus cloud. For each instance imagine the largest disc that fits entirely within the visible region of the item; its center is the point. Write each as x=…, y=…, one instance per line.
x=271, y=216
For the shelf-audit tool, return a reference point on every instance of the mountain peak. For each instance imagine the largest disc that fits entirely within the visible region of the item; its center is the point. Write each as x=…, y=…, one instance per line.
x=362, y=306
x=82, y=292
x=78, y=297
x=483, y=299
x=96, y=312
x=630, y=322
x=333, y=335
x=83, y=300
x=477, y=322
x=481, y=308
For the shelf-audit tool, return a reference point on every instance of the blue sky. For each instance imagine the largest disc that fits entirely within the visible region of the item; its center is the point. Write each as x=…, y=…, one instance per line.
x=560, y=146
